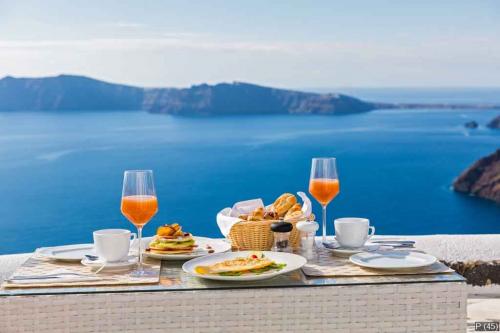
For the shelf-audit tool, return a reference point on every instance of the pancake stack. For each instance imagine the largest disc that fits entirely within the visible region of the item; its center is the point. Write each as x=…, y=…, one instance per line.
x=170, y=239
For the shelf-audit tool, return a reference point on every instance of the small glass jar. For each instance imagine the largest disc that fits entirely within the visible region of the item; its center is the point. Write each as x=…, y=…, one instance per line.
x=281, y=233
x=307, y=239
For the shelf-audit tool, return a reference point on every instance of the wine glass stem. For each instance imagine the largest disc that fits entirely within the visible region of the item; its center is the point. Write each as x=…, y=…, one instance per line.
x=139, y=235
x=324, y=223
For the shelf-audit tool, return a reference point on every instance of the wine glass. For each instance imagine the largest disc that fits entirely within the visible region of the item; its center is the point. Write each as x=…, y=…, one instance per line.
x=324, y=184
x=139, y=204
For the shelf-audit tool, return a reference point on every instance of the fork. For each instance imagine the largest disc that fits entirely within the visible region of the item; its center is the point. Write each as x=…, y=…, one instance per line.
x=48, y=276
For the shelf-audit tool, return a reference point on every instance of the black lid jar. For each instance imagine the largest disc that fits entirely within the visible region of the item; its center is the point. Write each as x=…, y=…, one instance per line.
x=281, y=232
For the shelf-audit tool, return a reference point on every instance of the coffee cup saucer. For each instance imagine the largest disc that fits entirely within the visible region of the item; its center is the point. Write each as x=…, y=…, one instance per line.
x=124, y=264
x=341, y=251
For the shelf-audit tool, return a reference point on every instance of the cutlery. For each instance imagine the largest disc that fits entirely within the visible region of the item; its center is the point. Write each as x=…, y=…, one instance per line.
x=100, y=268
x=55, y=276
x=94, y=258
x=391, y=244
x=330, y=245
x=393, y=241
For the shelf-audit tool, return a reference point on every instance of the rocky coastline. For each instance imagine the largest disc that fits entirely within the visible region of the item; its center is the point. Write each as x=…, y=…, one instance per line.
x=494, y=123
x=481, y=179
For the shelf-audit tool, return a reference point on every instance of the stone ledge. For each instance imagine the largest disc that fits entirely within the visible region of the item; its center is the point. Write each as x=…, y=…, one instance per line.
x=460, y=248
x=477, y=273
x=476, y=257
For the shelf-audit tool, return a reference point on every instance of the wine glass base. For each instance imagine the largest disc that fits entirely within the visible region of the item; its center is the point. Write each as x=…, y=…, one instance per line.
x=144, y=272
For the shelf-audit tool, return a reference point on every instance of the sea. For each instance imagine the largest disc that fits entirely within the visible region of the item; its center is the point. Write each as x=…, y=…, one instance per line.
x=61, y=172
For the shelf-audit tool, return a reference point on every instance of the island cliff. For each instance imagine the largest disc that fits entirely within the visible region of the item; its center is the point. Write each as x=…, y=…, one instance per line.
x=70, y=92
x=67, y=92
x=244, y=98
x=482, y=179
x=494, y=123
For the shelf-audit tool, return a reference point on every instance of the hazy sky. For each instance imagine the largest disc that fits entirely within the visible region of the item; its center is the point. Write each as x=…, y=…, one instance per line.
x=281, y=43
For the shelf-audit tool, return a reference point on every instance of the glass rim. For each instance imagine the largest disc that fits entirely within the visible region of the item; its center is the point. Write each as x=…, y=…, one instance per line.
x=138, y=171
x=324, y=158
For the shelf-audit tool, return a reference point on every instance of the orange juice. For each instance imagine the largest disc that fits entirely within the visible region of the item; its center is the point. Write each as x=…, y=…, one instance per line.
x=324, y=190
x=139, y=209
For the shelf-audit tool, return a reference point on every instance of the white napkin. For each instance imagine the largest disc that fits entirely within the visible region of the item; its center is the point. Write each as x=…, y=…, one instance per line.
x=228, y=217
x=306, y=204
x=245, y=207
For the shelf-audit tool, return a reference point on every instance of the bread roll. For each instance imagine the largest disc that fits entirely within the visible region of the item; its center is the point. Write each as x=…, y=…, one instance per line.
x=257, y=214
x=271, y=215
x=284, y=203
x=294, y=212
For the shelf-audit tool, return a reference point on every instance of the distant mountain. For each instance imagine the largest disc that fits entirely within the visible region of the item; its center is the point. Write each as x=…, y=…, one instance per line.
x=244, y=98
x=70, y=92
x=67, y=92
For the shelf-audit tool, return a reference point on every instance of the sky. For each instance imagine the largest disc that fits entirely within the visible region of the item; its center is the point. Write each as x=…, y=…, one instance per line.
x=289, y=44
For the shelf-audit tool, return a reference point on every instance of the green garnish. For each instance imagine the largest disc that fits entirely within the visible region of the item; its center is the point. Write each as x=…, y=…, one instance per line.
x=257, y=271
x=230, y=273
x=268, y=268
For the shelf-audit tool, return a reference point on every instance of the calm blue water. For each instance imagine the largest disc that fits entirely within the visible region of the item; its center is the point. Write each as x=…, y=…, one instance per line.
x=61, y=174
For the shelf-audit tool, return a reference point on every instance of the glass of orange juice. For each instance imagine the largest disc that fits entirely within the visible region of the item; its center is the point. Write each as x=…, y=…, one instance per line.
x=324, y=184
x=139, y=204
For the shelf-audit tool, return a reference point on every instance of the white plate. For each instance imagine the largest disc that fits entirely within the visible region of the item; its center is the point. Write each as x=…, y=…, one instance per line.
x=346, y=252
x=129, y=262
x=393, y=259
x=292, y=261
x=218, y=246
x=75, y=252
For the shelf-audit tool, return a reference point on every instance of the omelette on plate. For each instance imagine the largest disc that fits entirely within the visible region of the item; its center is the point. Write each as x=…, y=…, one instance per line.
x=255, y=263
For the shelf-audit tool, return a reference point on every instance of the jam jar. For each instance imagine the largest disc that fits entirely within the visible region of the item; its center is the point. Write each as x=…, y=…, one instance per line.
x=281, y=232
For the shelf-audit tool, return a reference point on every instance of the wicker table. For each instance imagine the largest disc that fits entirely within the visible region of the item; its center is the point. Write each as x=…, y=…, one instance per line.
x=289, y=303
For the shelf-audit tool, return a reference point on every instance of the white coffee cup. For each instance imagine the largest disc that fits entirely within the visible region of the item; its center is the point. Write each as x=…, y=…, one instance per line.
x=112, y=245
x=353, y=232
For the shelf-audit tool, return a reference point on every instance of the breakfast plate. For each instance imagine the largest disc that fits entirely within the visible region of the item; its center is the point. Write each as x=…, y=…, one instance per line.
x=75, y=252
x=204, y=246
x=393, y=260
x=243, y=265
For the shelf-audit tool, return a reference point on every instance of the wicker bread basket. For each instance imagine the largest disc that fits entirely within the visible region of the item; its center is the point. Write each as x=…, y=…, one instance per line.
x=257, y=235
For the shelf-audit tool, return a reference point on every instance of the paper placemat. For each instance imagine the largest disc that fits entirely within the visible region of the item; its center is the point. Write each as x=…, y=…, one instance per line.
x=329, y=265
x=38, y=265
